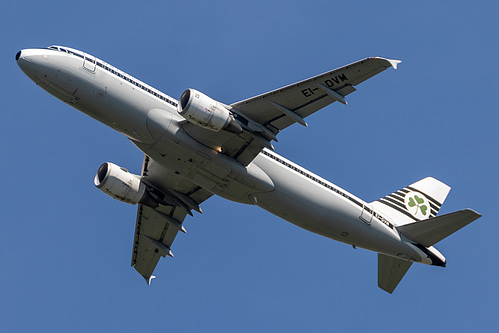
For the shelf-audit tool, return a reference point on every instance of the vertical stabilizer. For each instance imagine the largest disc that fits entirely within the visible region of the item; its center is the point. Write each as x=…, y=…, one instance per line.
x=416, y=202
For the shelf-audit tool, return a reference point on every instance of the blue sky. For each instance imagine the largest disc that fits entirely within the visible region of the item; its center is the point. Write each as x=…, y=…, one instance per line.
x=66, y=247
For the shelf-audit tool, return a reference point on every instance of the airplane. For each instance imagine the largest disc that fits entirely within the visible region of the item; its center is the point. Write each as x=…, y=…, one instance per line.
x=197, y=147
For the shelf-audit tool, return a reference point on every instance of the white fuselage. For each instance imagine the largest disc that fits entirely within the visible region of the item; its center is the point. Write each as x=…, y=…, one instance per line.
x=150, y=120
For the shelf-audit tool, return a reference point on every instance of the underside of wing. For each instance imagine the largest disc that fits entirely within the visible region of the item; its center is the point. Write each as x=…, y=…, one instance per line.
x=282, y=107
x=153, y=239
x=156, y=228
x=262, y=117
x=243, y=147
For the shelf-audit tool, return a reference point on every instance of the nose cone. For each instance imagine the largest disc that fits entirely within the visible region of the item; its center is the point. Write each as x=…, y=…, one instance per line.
x=23, y=61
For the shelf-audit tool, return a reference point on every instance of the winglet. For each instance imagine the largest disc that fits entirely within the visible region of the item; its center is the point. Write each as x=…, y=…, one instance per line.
x=392, y=62
x=149, y=279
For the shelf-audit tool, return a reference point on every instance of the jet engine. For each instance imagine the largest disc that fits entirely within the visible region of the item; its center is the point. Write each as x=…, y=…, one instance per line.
x=122, y=185
x=204, y=111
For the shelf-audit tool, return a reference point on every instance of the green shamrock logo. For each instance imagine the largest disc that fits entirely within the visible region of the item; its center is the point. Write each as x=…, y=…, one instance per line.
x=418, y=203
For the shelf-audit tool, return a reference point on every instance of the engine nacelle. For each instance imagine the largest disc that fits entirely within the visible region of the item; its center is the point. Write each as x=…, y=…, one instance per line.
x=204, y=111
x=120, y=184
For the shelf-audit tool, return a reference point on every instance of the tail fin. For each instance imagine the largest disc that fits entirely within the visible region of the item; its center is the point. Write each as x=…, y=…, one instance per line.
x=413, y=211
x=418, y=201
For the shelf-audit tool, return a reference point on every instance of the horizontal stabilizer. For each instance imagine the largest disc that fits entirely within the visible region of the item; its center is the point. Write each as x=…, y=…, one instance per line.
x=390, y=271
x=431, y=231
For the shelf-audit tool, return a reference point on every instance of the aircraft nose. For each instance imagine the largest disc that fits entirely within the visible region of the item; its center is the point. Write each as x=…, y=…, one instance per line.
x=24, y=61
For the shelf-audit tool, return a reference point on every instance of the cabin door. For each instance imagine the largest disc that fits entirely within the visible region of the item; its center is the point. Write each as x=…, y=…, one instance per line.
x=89, y=63
x=367, y=214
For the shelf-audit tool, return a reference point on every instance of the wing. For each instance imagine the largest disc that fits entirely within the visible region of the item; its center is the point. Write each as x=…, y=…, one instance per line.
x=156, y=228
x=282, y=107
x=263, y=116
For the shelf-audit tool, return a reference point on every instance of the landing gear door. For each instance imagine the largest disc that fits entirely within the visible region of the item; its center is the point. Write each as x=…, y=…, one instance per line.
x=367, y=214
x=89, y=63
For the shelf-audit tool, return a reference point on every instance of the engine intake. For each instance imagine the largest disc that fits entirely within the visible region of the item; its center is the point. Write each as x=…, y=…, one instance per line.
x=204, y=111
x=120, y=184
